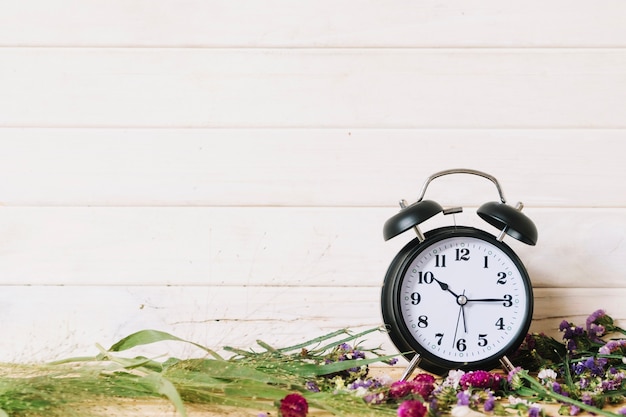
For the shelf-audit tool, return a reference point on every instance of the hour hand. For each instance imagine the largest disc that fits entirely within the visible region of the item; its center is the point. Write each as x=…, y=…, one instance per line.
x=445, y=287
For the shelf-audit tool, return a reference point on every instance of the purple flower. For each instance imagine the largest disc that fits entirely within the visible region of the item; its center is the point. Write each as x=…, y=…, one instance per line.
x=490, y=402
x=622, y=411
x=595, y=318
x=514, y=380
x=463, y=397
x=570, y=332
x=411, y=408
x=534, y=410
x=596, y=331
x=593, y=366
x=293, y=405
x=571, y=345
x=357, y=354
x=586, y=398
x=312, y=386
x=612, y=346
x=556, y=387
x=364, y=383
x=611, y=384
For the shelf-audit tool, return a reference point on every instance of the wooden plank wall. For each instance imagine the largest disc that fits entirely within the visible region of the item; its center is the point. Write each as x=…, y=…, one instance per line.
x=222, y=169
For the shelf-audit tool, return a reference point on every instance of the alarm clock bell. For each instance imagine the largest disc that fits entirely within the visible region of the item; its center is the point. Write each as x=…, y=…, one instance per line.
x=509, y=220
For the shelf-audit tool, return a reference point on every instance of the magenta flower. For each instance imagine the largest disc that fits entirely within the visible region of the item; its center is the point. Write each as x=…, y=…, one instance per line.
x=480, y=379
x=293, y=405
x=423, y=384
x=412, y=408
x=400, y=389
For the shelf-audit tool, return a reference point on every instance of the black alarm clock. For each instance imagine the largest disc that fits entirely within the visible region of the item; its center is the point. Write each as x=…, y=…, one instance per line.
x=458, y=297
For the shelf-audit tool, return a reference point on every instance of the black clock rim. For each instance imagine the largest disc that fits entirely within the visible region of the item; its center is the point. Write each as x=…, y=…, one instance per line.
x=390, y=301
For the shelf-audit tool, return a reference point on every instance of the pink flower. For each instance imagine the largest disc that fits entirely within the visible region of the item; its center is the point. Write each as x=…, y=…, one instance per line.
x=293, y=405
x=411, y=408
x=400, y=389
x=423, y=384
x=480, y=379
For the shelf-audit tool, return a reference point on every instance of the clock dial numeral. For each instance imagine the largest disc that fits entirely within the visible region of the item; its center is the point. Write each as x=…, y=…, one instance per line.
x=422, y=321
x=500, y=323
x=486, y=264
x=440, y=261
x=425, y=277
x=508, y=300
x=440, y=337
x=461, y=345
x=501, y=278
x=482, y=340
x=415, y=298
x=462, y=254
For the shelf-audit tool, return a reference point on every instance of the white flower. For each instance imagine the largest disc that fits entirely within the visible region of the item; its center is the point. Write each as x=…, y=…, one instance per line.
x=516, y=400
x=361, y=392
x=340, y=384
x=465, y=411
x=547, y=374
x=386, y=380
x=453, y=379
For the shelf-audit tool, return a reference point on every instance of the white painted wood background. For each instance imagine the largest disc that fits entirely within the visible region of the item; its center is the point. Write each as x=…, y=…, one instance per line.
x=222, y=169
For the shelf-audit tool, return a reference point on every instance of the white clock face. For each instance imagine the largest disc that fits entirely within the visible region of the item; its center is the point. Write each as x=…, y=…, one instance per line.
x=463, y=299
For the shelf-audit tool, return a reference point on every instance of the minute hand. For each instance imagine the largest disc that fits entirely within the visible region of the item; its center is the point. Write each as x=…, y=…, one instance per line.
x=488, y=300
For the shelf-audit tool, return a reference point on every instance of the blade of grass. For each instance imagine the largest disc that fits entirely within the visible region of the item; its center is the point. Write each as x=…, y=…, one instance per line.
x=315, y=340
x=164, y=387
x=345, y=340
x=144, y=337
x=309, y=370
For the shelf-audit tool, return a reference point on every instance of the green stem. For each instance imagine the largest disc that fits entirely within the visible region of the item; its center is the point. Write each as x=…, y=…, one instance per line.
x=567, y=400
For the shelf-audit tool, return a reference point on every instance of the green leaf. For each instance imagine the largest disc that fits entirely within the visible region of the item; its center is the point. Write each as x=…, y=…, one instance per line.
x=164, y=387
x=145, y=337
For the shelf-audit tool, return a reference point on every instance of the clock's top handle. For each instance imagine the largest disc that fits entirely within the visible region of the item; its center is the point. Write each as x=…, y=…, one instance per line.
x=461, y=171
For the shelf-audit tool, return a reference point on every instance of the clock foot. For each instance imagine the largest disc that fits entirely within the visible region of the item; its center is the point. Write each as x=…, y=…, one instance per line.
x=411, y=368
x=507, y=365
